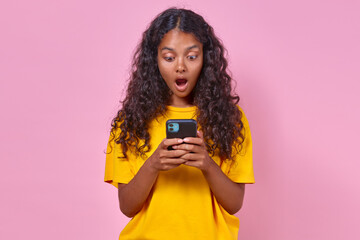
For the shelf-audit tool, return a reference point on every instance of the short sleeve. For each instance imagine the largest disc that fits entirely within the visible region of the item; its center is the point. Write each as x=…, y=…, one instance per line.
x=241, y=170
x=117, y=168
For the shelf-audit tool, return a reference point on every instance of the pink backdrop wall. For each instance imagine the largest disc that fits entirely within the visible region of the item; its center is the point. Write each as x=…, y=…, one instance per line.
x=63, y=65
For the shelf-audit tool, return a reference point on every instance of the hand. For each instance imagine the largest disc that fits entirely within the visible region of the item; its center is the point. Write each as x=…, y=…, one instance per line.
x=197, y=154
x=163, y=159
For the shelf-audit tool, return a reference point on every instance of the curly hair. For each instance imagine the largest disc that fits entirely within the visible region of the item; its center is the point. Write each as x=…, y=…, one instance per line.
x=148, y=95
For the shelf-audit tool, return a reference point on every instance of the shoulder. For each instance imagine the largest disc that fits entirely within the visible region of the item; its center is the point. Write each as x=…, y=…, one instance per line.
x=242, y=115
x=115, y=128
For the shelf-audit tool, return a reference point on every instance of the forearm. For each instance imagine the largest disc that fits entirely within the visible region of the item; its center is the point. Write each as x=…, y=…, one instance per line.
x=133, y=195
x=229, y=194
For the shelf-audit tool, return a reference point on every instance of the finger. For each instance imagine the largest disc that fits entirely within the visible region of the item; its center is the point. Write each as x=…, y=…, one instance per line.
x=174, y=153
x=172, y=161
x=188, y=147
x=197, y=161
x=193, y=157
x=192, y=140
x=191, y=163
x=171, y=141
x=200, y=134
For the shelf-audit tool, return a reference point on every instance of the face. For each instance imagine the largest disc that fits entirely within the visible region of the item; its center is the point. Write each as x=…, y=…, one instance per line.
x=180, y=60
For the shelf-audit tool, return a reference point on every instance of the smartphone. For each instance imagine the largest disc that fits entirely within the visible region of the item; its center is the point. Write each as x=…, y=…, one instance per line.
x=181, y=128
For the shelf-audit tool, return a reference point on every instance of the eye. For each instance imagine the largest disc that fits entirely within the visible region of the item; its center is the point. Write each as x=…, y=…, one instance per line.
x=192, y=57
x=169, y=59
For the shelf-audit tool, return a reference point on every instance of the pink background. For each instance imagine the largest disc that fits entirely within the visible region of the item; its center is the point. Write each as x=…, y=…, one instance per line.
x=63, y=66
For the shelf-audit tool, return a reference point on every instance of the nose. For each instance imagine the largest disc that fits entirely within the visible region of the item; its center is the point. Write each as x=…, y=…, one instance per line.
x=180, y=68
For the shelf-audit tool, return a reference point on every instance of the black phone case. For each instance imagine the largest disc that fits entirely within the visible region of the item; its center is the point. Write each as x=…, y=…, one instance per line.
x=187, y=128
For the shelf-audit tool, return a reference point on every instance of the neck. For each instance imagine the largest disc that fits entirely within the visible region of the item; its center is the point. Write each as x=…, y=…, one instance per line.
x=181, y=102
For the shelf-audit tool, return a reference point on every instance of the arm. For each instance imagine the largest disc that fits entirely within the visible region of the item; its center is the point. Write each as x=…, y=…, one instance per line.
x=133, y=195
x=228, y=193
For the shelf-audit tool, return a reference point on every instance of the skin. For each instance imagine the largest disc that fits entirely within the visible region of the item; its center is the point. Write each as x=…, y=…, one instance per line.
x=180, y=54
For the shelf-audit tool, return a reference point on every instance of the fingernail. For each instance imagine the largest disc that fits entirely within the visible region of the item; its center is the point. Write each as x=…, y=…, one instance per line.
x=186, y=140
x=180, y=141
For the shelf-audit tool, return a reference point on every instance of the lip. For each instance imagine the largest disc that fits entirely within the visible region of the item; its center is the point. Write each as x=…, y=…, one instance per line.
x=181, y=88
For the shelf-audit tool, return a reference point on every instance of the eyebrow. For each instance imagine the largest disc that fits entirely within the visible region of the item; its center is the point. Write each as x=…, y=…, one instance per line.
x=188, y=48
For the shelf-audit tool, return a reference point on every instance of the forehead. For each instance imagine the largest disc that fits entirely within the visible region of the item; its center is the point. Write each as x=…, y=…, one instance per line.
x=177, y=39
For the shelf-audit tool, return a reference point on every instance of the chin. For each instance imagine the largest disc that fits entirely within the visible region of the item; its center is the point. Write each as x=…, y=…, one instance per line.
x=182, y=95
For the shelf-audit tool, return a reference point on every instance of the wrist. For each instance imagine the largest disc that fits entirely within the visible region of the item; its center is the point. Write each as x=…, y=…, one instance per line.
x=210, y=166
x=149, y=166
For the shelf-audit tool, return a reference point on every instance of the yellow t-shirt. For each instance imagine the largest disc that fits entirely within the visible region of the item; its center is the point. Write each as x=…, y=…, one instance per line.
x=181, y=205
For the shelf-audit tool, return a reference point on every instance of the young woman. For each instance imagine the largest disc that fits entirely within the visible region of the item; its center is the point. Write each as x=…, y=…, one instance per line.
x=192, y=191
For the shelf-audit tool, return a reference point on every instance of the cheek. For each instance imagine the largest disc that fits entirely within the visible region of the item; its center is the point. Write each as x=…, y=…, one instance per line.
x=164, y=75
x=197, y=68
x=164, y=71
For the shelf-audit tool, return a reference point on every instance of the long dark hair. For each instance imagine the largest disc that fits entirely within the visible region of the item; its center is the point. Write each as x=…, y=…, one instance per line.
x=147, y=93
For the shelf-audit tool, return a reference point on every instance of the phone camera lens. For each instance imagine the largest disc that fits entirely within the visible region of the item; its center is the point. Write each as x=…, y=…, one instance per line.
x=171, y=129
x=171, y=125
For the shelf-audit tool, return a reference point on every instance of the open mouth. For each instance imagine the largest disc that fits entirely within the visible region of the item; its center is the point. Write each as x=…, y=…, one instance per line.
x=181, y=82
